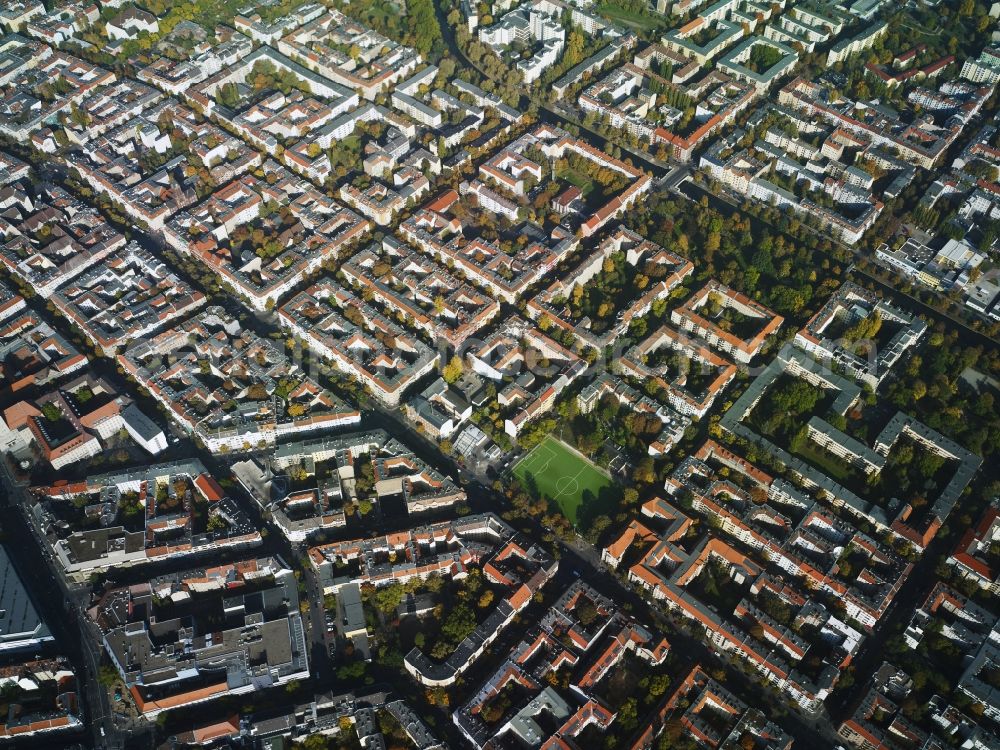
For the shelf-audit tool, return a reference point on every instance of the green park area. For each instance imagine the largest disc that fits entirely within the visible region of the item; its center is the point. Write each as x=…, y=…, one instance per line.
x=557, y=472
x=641, y=20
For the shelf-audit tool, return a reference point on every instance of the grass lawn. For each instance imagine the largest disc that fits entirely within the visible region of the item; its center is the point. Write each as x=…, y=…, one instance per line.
x=578, y=179
x=555, y=471
x=833, y=466
x=351, y=143
x=640, y=21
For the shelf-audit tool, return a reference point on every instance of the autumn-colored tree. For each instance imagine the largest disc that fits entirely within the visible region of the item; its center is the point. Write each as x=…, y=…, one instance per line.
x=453, y=370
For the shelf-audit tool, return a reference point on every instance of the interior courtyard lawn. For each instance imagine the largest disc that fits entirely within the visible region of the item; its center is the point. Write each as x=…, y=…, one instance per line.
x=577, y=486
x=577, y=179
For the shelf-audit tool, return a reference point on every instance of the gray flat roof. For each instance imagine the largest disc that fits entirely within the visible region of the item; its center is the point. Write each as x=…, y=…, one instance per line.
x=20, y=624
x=350, y=600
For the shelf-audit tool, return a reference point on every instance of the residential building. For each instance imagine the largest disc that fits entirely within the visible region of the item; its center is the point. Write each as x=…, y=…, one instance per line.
x=32, y=353
x=857, y=43
x=685, y=373
x=48, y=700
x=851, y=317
x=740, y=333
x=54, y=238
x=231, y=389
x=125, y=298
x=566, y=638
x=713, y=715
x=428, y=295
x=446, y=548
x=918, y=524
x=130, y=23
x=522, y=568
x=738, y=63
x=984, y=69
x=551, y=308
x=357, y=340
x=261, y=642
x=77, y=421
x=143, y=515
x=322, y=45
x=396, y=472
x=220, y=232
x=972, y=557
x=532, y=369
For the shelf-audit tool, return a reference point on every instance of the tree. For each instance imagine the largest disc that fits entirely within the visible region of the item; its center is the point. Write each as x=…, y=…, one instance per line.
x=866, y=328
x=589, y=442
x=107, y=675
x=314, y=742
x=257, y=391
x=229, y=95
x=628, y=715
x=574, y=47
x=645, y=471
x=425, y=30
x=587, y=613
x=446, y=69
x=217, y=523
x=388, y=598
x=597, y=527
x=352, y=671
x=459, y=623
x=658, y=685
x=453, y=370
x=51, y=411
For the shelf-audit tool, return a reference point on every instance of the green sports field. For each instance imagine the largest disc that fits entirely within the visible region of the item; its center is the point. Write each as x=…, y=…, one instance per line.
x=554, y=471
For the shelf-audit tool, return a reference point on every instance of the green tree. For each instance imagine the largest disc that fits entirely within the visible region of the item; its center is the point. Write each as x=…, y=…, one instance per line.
x=388, y=598
x=107, y=675
x=352, y=671
x=645, y=471
x=459, y=623
x=425, y=32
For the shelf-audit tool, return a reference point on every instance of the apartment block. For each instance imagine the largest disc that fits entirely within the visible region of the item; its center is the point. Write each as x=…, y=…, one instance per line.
x=424, y=292
x=228, y=387
x=727, y=320
x=125, y=298
x=143, y=515
x=357, y=340
x=234, y=628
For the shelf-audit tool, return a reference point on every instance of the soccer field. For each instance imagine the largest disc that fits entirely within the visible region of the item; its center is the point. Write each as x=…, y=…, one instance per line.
x=558, y=473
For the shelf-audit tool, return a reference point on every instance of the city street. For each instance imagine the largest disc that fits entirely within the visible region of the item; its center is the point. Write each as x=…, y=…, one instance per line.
x=409, y=264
